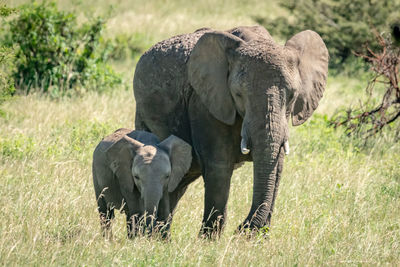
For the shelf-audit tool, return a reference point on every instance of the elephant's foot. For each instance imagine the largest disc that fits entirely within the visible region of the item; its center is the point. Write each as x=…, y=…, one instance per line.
x=209, y=233
x=105, y=224
x=253, y=228
x=212, y=229
x=106, y=232
x=250, y=232
x=154, y=229
x=132, y=225
x=161, y=230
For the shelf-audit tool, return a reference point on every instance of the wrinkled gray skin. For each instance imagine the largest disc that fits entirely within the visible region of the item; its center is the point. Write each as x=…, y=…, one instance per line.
x=135, y=171
x=230, y=95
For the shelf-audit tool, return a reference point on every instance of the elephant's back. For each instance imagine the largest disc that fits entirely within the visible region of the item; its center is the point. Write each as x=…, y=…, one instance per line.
x=99, y=156
x=162, y=68
x=178, y=46
x=161, y=86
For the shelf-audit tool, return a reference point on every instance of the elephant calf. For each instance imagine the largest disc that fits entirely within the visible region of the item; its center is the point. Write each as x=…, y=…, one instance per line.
x=135, y=172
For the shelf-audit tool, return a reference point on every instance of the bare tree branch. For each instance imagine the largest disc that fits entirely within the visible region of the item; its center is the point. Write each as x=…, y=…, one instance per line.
x=366, y=120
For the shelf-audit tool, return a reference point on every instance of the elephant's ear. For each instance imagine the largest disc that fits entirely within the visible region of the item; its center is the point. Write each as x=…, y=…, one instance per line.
x=180, y=155
x=120, y=157
x=312, y=58
x=208, y=69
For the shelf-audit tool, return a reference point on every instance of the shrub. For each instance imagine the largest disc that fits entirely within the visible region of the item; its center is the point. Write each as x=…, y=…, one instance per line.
x=5, y=11
x=124, y=46
x=344, y=25
x=6, y=64
x=17, y=147
x=55, y=54
x=6, y=68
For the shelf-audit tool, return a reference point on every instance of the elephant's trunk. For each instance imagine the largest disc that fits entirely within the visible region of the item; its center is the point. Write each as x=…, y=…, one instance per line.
x=151, y=199
x=267, y=170
x=268, y=135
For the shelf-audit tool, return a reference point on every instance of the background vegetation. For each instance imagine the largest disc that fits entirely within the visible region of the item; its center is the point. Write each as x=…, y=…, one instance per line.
x=338, y=199
x=7, y=66
x=346, y=27
x=53, y=54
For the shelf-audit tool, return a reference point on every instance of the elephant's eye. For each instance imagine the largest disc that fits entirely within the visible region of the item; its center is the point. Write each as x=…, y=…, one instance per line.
x=238, y=94
x=136, y=177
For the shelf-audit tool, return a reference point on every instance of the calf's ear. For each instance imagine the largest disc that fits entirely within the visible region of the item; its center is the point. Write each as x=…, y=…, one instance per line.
x=180, y=154
x=120, y=157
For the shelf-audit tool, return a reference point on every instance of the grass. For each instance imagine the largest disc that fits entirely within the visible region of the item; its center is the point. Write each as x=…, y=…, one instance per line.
x=338, y=202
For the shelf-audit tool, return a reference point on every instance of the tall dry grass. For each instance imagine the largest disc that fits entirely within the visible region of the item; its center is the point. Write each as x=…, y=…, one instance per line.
x=337, y=204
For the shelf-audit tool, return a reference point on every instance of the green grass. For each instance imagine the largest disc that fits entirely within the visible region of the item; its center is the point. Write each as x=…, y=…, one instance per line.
x=338, y=203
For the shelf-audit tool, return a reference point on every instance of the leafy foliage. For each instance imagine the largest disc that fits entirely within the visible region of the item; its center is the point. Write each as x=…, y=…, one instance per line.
x=6, y=67
x=55, y=54
x=6, y=64
x=6, y=11
x=344, y=25
x=124, y=46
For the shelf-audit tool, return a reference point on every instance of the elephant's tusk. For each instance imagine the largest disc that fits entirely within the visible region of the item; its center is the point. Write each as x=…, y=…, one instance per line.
x=243, y=147
x=286, y=147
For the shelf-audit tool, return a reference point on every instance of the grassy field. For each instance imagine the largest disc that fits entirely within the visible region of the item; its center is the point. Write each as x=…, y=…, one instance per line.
x=339, y=201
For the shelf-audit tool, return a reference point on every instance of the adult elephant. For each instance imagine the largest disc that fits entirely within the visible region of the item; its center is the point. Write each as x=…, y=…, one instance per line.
x=230, y=95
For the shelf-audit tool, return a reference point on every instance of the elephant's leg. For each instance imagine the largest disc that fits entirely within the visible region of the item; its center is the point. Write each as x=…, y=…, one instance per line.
x=278, y=178
x=106, y=211
x=106, y=216
x=217, y=146
x=132, y=224
x=163, y=217
x=133, y=208
x=217, y=179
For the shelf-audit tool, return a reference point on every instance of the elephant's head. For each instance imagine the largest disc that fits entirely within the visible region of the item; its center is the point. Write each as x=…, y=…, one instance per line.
x=243, y=71
x=155, y=170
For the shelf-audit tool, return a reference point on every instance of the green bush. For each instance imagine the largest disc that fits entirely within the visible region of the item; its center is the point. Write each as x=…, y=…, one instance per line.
x=5, y=11
x=124, y=46
x=344, y=25
x=55, y=54
x=17, y=147
x=7, y=66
